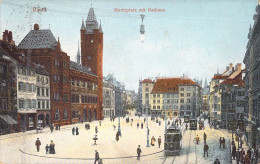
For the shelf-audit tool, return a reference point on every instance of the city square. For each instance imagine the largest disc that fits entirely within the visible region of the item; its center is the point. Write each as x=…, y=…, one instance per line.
x=130, y=82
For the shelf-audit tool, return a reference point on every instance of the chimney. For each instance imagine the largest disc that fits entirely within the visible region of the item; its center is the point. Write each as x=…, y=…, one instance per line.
x=10, y=37
x=230, y=65
x=5, y=36
x=239, y=67
x=36, y=26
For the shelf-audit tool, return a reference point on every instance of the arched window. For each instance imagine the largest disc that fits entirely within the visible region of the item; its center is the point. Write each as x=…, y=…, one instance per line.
x=57, y=114
x=65, y=114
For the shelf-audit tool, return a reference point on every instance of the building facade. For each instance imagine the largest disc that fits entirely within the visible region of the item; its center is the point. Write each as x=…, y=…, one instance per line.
x=108, y=99
x=147, y=87
x=252, y=81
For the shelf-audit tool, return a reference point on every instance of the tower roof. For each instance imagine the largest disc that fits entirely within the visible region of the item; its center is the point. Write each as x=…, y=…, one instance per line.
x=83, y=26
x=91, y=22
x=100, y=28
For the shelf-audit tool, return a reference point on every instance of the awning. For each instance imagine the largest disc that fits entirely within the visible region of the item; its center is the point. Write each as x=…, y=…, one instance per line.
x=8, y=119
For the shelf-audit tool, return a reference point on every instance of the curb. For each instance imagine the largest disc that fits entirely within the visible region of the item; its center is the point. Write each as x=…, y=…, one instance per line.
x=86, y=158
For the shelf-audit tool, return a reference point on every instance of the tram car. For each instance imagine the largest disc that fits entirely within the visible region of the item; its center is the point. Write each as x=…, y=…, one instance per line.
x=193, y=124
x=186, y=119
x=172, y=141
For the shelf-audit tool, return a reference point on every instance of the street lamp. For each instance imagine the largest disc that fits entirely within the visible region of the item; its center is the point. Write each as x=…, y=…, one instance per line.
x=119, y=129
x=142, y=38
x=165, y=115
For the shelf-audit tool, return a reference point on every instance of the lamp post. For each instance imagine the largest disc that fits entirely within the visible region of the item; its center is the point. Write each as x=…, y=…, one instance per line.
x=165, y=114
x=119, y=128
x=142, y=38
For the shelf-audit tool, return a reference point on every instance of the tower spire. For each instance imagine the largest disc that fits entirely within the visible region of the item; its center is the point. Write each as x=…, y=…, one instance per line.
x=78, y=55
x=91, y=22
x=100, y=28
x=83, y=26
x=58, y=45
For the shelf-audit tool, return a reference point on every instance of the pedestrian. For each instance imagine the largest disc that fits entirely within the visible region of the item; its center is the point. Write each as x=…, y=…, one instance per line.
x=47, y=149
x=73, y=130
x=96, y=129
x=59, y=126
x=159, y=123
x=99, y=123
x=137, y=125
x=153, y=141
x=216, y=161
x=180, y=122
x=234, y=152
x=186, y=126
x=139, y=151
x=220, y=142
x=144, y=120
x=77, y=131
x=197, y=139
x=38, y=144
x=142, y=125
x=159, y=141
x=51, y=127
x=242, y=153
x=205, y=137
x=238, y=156
x=117, y=136
x=100, y=161
x=223, y=142
x=52, y=147
x=206, y=148
x=169, y=123
x=247, y=159
x=96, y=156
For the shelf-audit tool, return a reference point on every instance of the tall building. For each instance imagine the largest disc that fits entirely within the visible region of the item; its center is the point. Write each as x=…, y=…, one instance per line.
x=147, y=87
x=92, y=52
x=108, y=99
x=176, y=96
x=252, y=82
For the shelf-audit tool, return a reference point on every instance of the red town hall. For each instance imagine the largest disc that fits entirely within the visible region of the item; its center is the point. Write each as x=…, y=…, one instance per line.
x=75, y=88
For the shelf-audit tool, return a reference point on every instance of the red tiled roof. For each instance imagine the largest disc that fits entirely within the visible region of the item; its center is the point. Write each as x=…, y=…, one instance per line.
x=219, y=77
x=170, y=85
x=147, y=81
x=236, y=80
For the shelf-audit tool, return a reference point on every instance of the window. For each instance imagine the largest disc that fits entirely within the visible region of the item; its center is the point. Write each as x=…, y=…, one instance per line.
x=158, y=101
x=84, y=84
x=27, y=87
x=158, y=95
x=188, y=107
x=154, y=101
x=38, y=78
x=56, y=63
x=154, y=107
x=82, y=99
x=47, y=105
x=47, y=80
x=158, y=107
x=30, y=87
x=47, y=92
x=55, y=78
x=73, y=82
x=188, y=100
x=42, y=80
x=29, y=103
x=65, y=98
x=154, y=95
x=65, y=65
x=42, y=91
x=188, y=88
x=20, y=86
x=77, y=98
x=38, y=91
x=188, y=94
x=181, y=89
x=147, y=95
x=65, y=79
x=56, y=96
x=21, y=103
x=182, y=107
x=33, y=104
x=182, y=101
x=43, y=104
x=57, y=114
x=77, y=83
x=65, y=114
x=39, y=104
x=146, y=89
x=182, y=94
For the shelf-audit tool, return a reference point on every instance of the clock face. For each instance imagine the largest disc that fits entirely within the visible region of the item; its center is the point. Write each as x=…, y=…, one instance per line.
x=92, y=41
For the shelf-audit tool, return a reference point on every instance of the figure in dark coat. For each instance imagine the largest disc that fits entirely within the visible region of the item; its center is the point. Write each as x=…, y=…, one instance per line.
x=77, y=131
x=142, y=125
x=73, y=130
x=159, y=141
x=52, y=148
x=205, y=137
x=96, y=129
x=96, y=156
x=137, y=125
x=117, y=136
x=38, y=144
x=51, y=127
x=139, y=151
x=206, y=148
x=234, y=152
x=223, y=142
x=47, y=148
x=216, y=161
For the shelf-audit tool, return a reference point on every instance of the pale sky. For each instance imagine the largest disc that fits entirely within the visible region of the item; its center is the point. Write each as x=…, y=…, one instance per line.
x=191, y=37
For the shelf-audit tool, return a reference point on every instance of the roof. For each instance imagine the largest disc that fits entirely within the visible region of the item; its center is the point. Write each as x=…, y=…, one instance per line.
x=147, y=81
x=8, y=119
x=2, y=51
x=171, y=85
x=76, y=66
x=37, y=39
x=217, y=77
x=236, y=80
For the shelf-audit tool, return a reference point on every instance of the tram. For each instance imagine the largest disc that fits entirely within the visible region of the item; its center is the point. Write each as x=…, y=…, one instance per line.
x=172, y=141
x=186, y=119
x=193, y=124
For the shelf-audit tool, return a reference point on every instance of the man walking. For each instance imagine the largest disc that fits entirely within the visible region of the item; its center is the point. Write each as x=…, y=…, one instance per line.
x=205, y=137
x=223, y=142
x=220, y=142
x=206, y=148
x=159, y=141
x=73, y=131
x=96, y=156
x=51, y=127
x=234, y=152
x=139, y=151
x=38, y=144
